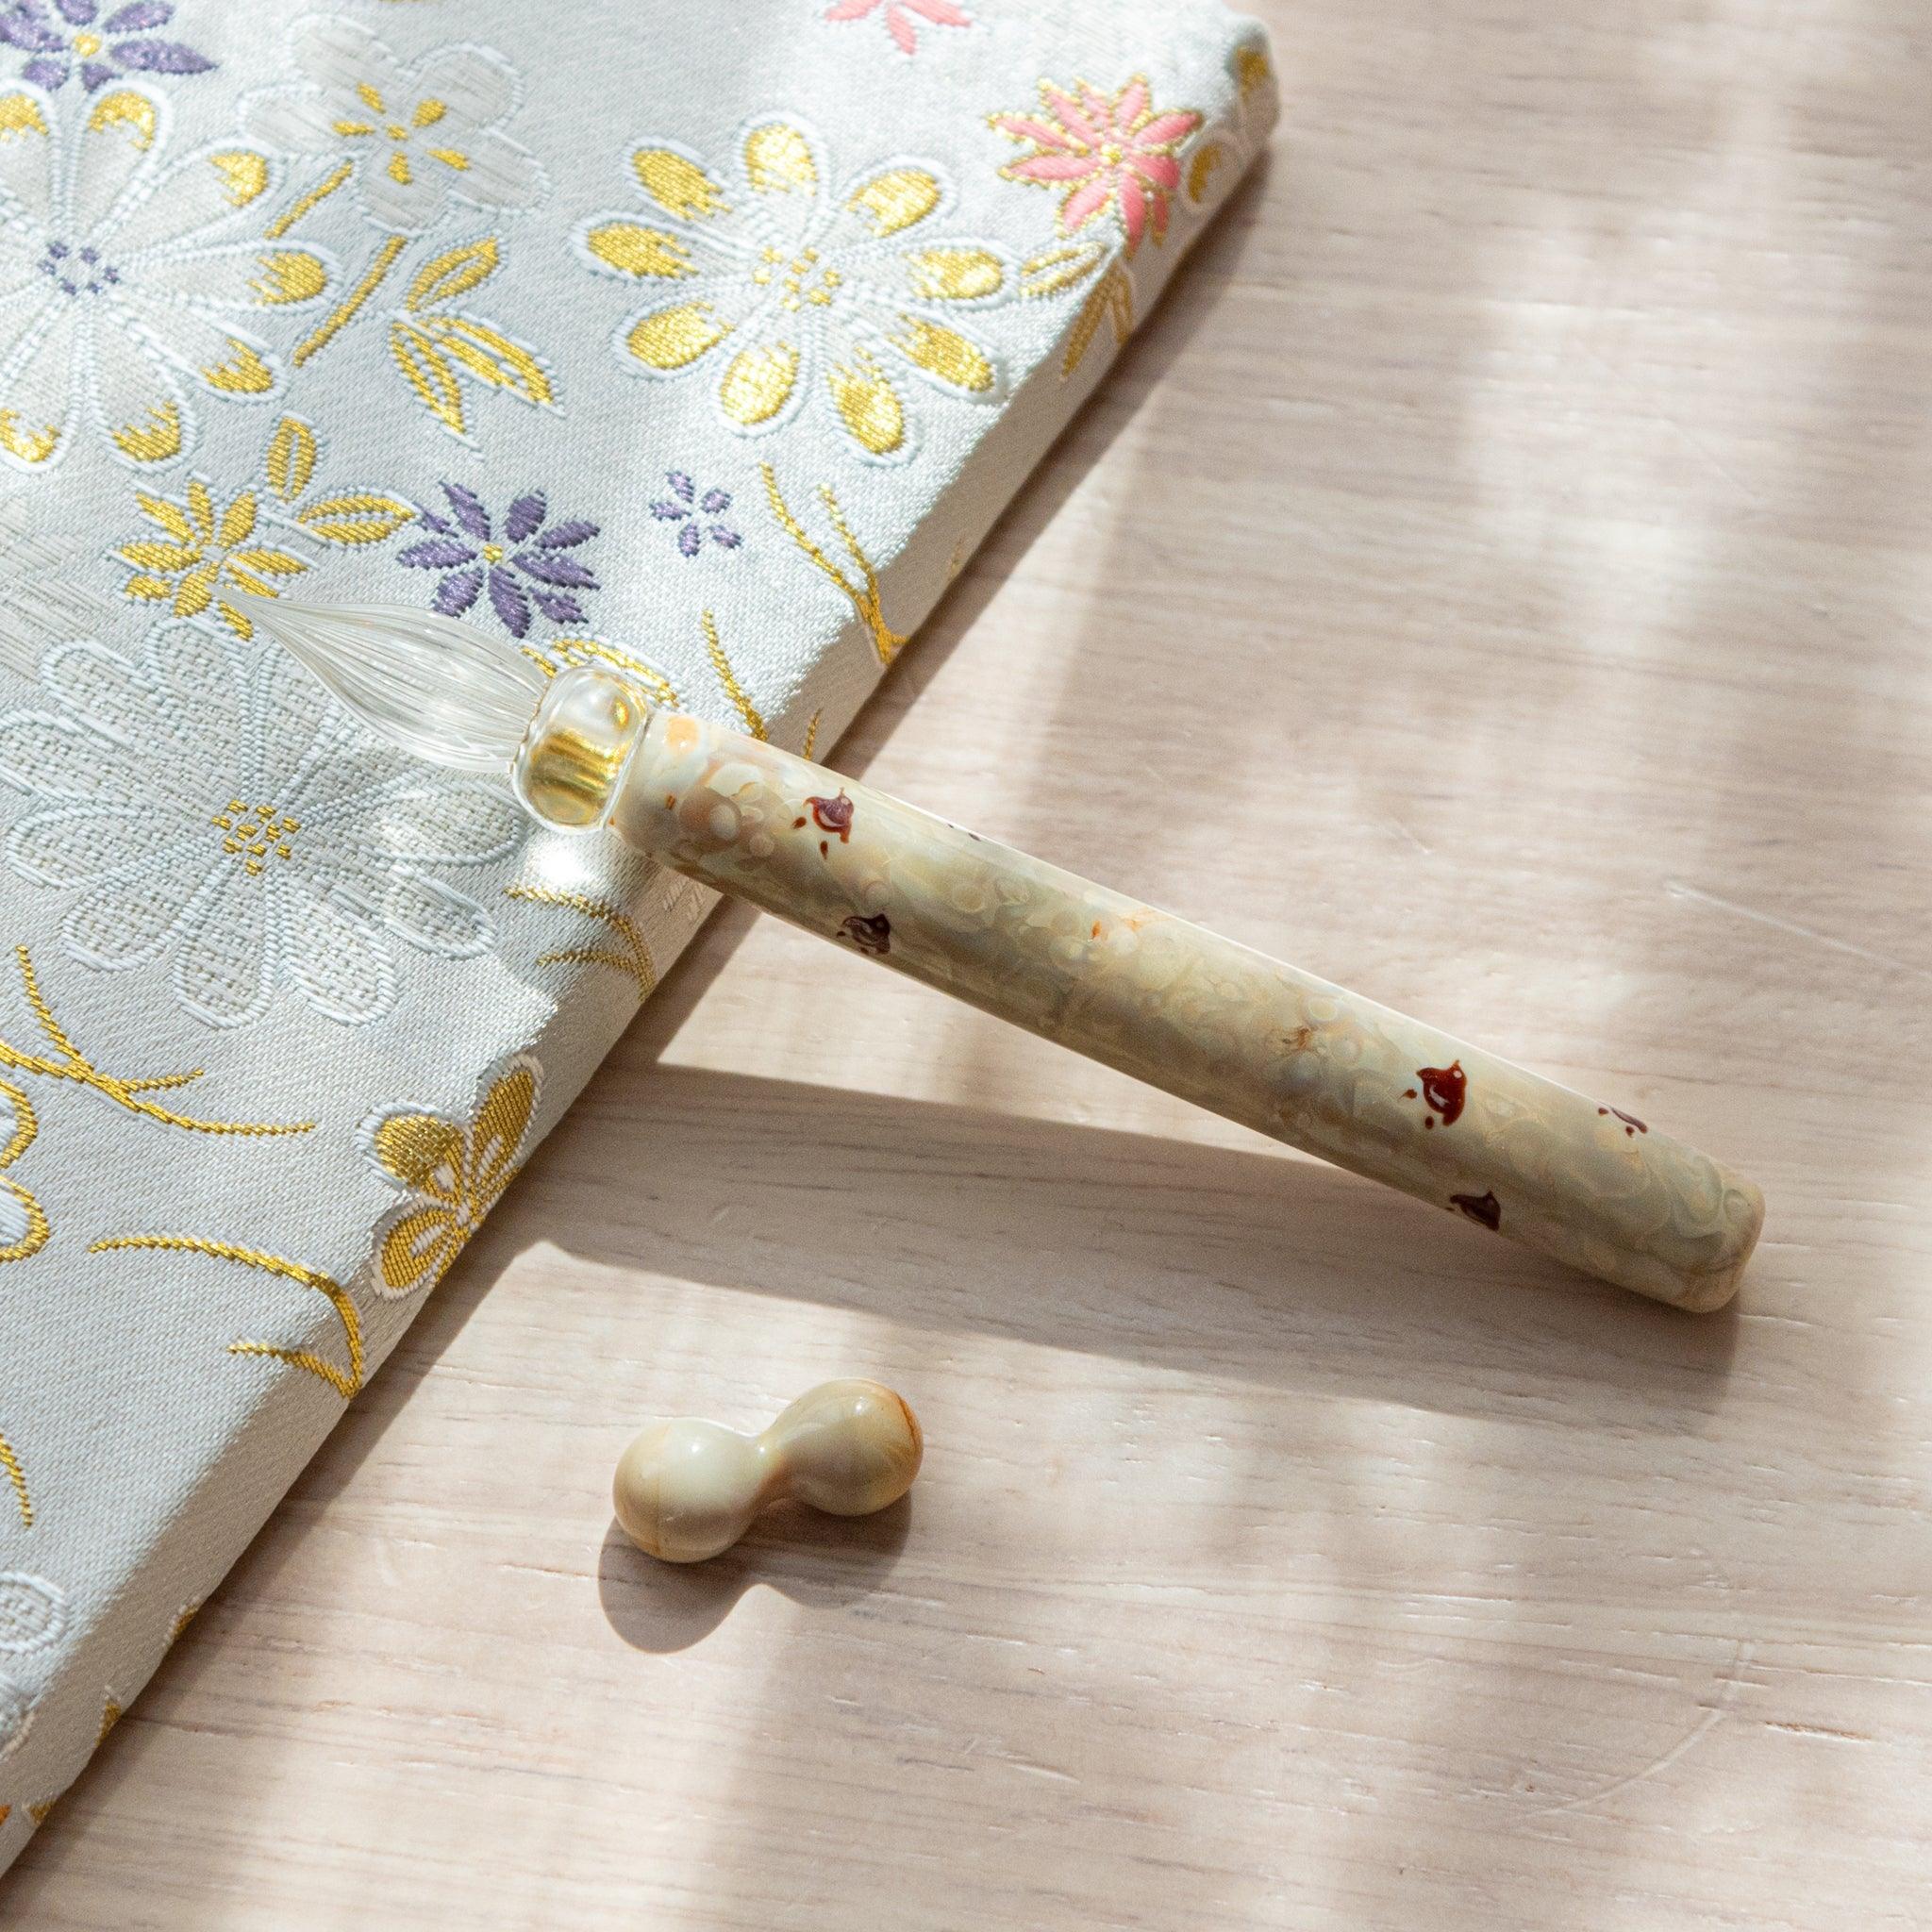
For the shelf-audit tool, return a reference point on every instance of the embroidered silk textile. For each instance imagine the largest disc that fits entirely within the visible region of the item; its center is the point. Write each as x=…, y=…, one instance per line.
x=705, y=338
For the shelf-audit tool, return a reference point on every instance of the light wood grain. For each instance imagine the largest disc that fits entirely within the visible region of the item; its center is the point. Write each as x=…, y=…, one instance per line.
x=1529, y=483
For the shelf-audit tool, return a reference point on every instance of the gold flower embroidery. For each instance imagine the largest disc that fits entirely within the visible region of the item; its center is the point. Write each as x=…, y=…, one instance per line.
x=417, y=142
x=202, y=545
x=399, y=131
x=780, y=284
x=454, y=1172
x=207, y=545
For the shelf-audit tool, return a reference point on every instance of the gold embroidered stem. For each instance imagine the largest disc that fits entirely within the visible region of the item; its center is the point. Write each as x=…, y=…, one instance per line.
x=315, y=198
x=344, y=1384
x=748, y=713
x=635, y=962
x=74, y=1065
x=1055, y=270
x=886, y=641
x=155, y=1083
x=49, y=1025
x=346, y=312
x=1112, y=299
x=17, y=1476
x=811, y=734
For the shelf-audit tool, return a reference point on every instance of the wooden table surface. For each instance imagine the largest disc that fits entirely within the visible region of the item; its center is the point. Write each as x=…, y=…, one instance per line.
x=1525, y=497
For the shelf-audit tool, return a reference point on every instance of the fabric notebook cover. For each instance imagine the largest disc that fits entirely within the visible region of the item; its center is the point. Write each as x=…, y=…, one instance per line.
x=707, y=340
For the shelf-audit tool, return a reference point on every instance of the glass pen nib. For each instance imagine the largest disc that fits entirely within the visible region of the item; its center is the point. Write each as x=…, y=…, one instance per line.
x=439, y=689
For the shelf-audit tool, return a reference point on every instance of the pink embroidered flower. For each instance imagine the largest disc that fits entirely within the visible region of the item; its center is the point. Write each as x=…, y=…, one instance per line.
x=899, y=16
x=1107, y=154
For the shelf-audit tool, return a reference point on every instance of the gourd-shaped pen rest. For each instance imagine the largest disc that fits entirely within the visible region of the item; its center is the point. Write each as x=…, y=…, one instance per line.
x=688, y=1490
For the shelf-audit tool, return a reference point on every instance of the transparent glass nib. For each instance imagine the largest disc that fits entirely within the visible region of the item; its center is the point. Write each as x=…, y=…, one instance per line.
x=439, y=689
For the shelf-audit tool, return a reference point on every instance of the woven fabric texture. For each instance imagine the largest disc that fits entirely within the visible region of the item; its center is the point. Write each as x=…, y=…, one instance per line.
x=706, y=339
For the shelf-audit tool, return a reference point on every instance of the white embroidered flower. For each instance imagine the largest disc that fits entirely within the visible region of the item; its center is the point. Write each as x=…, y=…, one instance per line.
x=24, y=1227
x=415, y=136
x=121, y=295
x=16, y=1717
x=33, y=1614
x=780, y=287
x=210, y=804
x=17, y=1223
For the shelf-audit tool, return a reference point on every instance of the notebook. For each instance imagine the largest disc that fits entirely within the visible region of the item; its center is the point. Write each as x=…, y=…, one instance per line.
x=702, y=341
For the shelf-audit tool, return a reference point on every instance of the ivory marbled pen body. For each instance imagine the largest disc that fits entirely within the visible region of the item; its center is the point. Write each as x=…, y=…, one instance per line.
x=1166, y=1001
x=1154, y=995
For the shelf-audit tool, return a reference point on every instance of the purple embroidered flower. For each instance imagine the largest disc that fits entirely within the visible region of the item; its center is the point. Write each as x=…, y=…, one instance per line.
x=467, y=550
x=684, y=507
x=62, y=35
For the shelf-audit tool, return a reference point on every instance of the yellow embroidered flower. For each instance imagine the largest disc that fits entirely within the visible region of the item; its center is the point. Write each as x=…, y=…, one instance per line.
x=1217, y=162
x=453, y=1171
x=781, y=286
x=203, y=546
